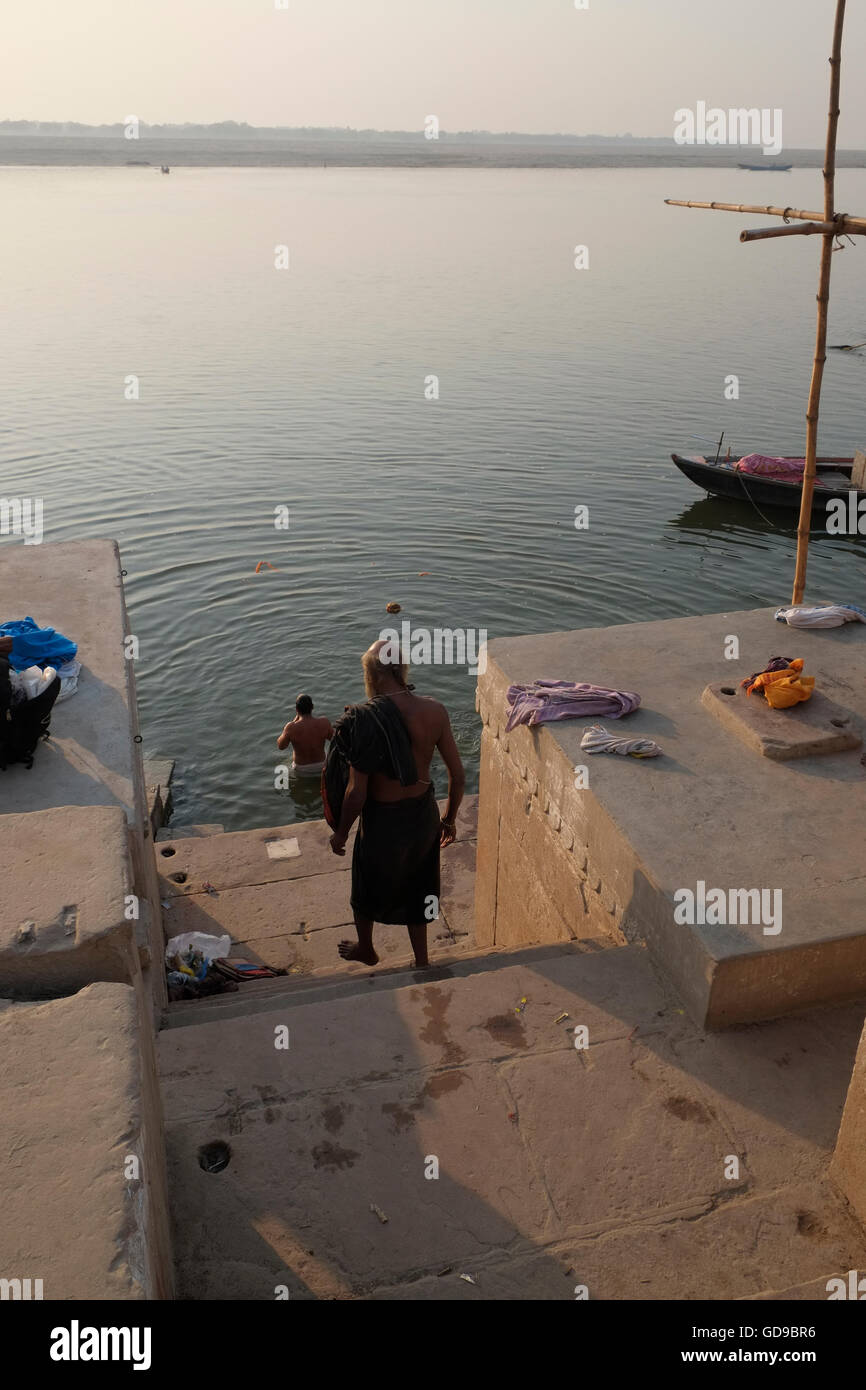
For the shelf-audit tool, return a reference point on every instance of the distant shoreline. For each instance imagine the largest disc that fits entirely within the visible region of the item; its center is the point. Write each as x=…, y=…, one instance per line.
x=203, y=152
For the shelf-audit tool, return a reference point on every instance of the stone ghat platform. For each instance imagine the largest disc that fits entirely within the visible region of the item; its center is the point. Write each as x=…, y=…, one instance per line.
x=655, y=1162
x=82, y=1163
x=610, y=856
x=90, y=759
x=283, y=897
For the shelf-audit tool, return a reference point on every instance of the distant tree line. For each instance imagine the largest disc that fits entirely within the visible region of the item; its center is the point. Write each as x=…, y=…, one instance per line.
x=243, y=130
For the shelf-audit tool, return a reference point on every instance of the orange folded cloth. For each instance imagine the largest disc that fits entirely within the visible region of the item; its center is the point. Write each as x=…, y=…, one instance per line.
x=789, y=691
x=770, y=678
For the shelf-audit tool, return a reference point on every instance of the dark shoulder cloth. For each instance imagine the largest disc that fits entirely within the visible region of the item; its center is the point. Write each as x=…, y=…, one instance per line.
x=373, y=738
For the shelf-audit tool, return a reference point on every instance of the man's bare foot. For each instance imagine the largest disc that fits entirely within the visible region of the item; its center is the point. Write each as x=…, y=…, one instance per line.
x=350, y=950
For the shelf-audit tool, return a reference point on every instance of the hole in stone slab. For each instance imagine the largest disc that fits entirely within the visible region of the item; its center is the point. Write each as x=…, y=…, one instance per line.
x=178, y=878
x=167, y=853
x=214, y=1157
x=838, y=723
x=728, y=690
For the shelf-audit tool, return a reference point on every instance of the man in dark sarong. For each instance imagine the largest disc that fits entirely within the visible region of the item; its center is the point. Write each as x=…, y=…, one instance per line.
x=389, y=744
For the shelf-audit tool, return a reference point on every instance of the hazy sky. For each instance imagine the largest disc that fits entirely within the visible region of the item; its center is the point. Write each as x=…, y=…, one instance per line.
x=530, y=65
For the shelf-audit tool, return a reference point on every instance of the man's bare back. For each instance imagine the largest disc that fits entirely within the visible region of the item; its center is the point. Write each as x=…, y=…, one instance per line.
x=306, y=734
x=429, y=728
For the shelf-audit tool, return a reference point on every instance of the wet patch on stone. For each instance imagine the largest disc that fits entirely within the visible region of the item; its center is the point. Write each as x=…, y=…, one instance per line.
x=401, y=1116
x=330, y=1155
x=685, y=1109
x=436, y=1031
x=507, y=1029
x=333, y=1118
x=440, y=1085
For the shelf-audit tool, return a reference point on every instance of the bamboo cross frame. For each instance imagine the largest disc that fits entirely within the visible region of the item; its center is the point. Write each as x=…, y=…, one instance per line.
x=828, y=225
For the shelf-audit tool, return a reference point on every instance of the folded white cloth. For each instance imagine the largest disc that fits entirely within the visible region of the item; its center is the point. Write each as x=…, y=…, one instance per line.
x=596, y=739
x=821, y=615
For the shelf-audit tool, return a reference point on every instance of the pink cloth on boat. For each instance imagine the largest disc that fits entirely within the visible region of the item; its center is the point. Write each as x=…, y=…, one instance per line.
x=763, y=466
x=777, y=469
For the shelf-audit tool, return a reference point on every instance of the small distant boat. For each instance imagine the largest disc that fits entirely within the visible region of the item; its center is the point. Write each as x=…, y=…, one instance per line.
x=722, y=479
x=164, y=169
x=767, y=168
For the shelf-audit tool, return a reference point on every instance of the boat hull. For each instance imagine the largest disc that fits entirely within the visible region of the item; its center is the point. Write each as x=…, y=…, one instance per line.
x=763, y=492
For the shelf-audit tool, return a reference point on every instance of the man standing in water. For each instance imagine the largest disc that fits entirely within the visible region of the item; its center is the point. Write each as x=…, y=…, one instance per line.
x=307, y=735
x=388, y=744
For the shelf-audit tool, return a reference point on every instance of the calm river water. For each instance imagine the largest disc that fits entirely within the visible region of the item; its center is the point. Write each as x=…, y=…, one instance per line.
x=304, y=388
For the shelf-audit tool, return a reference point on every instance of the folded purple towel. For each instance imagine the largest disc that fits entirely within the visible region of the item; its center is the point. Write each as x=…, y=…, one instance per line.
x=545, y=701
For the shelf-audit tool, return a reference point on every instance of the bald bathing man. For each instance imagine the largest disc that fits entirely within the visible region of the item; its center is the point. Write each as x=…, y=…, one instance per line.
x=388, y=744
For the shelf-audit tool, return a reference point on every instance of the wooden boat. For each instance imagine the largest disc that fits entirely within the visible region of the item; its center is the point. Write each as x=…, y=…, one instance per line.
x=833, y=480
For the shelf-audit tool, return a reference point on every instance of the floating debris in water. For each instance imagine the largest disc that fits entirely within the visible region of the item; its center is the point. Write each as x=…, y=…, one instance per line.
x=392, y=608
x=377, y=1211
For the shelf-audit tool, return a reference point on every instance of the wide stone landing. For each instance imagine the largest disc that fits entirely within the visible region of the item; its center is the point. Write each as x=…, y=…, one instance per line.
x=82, y=1165
x=440, y=1136
x=63, y=905
x=283, y=896
x=604, y=843
x=90, y=758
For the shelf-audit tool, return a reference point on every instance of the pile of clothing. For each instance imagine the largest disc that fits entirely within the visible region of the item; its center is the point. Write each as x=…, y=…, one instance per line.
x=781, y=683
x=40, y=649
x=544, y=702
x=37, y=668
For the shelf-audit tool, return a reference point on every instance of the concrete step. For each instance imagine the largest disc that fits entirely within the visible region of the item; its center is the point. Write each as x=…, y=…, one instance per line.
x=406, y=1128
x=272, y=854
x=288, y=991
x=283, y=897
x=188, y=832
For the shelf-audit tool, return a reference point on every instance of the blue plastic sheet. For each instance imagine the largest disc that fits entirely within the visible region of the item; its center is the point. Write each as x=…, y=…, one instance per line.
x=33, y=645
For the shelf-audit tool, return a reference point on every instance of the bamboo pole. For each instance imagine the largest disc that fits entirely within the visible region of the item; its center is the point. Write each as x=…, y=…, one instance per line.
x=800, y=229
x=814, y=405
x=852, y=225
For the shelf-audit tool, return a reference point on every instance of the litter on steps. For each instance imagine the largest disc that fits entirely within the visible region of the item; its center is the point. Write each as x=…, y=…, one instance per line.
x=198, y=965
